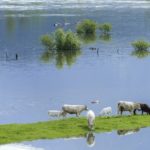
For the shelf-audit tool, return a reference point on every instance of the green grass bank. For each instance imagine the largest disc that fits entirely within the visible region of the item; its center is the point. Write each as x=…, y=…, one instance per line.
x=68, y=127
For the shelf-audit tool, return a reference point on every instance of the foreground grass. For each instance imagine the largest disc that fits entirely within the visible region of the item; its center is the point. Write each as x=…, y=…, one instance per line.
x=68, y=127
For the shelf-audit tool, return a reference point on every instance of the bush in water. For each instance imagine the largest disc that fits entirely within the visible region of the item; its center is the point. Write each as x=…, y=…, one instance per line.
x=141, y=45
x=86, y=27
x=48, y=42
x=61, y=40
x=105, y=28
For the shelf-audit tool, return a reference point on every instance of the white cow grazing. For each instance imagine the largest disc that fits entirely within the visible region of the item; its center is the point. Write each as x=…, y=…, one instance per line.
x=74, y=109
x=56, y=113
x=106, y=111
x=91, y=119
x=128, y=106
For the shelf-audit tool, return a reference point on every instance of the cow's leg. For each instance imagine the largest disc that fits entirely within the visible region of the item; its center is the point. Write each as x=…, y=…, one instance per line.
x=134, y=112
x=77, y=114
x=121, y=112
x=142, y=112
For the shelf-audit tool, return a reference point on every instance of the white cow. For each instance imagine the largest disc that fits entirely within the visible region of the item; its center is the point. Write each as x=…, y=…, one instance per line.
x=91, y=119
x=128, y=106
x=74, y=109
x=106, y=111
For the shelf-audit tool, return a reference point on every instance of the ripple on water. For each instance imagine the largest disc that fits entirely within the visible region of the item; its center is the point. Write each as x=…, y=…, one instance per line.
x=23, y=5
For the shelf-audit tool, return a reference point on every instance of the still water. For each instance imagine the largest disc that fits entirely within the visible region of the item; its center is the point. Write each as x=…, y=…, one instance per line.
x=39, y=81
x=136, y=139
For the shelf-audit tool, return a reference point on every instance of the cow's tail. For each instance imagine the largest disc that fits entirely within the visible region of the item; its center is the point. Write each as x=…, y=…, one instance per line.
x=118, y=108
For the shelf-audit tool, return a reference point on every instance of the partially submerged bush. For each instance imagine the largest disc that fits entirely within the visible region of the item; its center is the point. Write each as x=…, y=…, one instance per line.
x=48, y=41
x=71, y=41
x=63, y=47
x=87, y=26
x=105, y=28
x=61, y=41
x=141, y=45
x=59, y=37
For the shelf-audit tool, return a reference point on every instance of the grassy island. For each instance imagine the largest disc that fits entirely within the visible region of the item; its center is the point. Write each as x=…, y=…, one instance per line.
x=69, y=127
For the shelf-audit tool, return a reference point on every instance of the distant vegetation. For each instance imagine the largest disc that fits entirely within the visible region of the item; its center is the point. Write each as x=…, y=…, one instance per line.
x=64, y=47
x=105, y=28
x=140, y=48
x=86, y=27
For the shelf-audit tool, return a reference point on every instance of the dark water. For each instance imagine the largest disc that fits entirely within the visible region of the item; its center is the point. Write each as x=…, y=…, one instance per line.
x=136, y=139
x=38, y=81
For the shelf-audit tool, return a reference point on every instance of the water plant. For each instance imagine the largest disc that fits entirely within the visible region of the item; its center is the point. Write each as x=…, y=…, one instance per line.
x=141, y=45
x=61, y=40
x=86, y=26
x=62, y=47
x=105, y=28
x=48, y=42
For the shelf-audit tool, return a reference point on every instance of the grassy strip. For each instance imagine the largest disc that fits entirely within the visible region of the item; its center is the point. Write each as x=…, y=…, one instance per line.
x=67, y=128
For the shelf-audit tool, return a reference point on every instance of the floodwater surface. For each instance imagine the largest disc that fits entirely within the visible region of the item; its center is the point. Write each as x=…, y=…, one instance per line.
x=39, y=81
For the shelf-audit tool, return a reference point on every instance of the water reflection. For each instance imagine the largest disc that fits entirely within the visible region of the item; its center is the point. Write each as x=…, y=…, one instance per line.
x=140, y=54
x=88, y=38
x=105, y=37
x=18, y=147
x=90, y=139
x=127, y=132
x=61, y=57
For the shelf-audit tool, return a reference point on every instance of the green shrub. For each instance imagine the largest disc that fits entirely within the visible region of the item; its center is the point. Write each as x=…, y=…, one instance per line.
x=48, y=42
x=141, y=45
x=86, y=27
x=61, y=41
x=105, y=27
x=59, y=38
x=71, y=42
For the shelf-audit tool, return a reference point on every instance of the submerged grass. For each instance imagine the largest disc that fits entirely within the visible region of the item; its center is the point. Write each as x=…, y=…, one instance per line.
x=69, y=127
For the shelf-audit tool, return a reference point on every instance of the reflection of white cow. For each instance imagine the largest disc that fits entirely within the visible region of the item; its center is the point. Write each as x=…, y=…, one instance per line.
x=128, y=106
x=91, y=119
x=127, y=132
x=18, y=147
x=90, y=139
x=106, y=111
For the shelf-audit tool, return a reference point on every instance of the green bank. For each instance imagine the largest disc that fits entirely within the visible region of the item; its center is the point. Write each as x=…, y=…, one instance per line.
x=68, y=127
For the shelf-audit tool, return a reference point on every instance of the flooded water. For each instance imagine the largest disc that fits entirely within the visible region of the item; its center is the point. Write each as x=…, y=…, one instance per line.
x=38, y=81
x=108, y=141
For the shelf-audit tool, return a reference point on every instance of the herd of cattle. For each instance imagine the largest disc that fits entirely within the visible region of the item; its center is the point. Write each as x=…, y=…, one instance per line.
x=122, y=106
